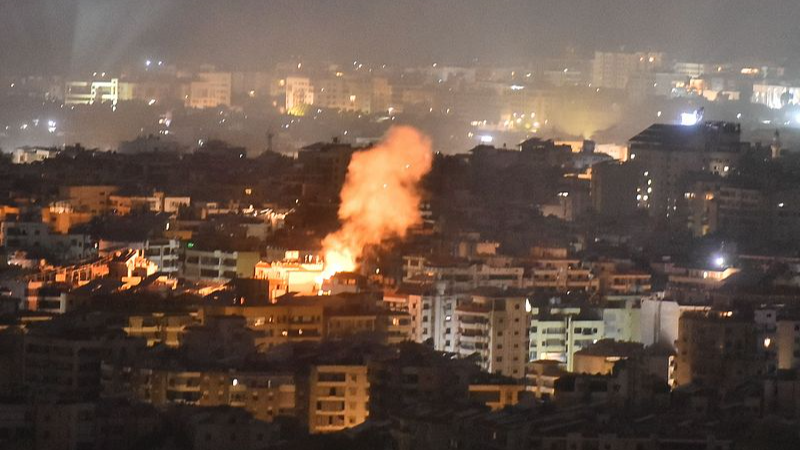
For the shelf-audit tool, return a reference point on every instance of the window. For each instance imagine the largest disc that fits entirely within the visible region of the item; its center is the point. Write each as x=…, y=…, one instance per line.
x=336, y=377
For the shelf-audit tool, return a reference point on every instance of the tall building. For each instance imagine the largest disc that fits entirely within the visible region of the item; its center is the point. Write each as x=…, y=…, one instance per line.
x=494, y=327
x=432, y=312
x=718, y=207
x=338, y=397
x=718, y=349
x=667, y=154
x=324, y=168
x=613, y=188
x=660, y=318
x=614, y=70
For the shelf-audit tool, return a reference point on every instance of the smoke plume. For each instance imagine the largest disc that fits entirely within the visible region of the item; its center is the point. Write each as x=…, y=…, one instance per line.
x=380, y=198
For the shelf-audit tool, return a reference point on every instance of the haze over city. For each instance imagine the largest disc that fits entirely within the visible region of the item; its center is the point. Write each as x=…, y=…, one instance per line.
x=59, y=36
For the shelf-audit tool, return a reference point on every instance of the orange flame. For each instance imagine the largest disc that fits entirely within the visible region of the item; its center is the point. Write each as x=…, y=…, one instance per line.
x=380, y=197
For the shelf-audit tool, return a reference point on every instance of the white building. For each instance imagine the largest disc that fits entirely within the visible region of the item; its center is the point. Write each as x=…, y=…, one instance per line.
x=302, y=277
x=622, y=317
x=775, y=96
x=29, y=155
x=165, y=254
x=37, y=235
x=91, y=92
x=557, y=332
x=660, y=317
x=432, y=312
x=210, y=90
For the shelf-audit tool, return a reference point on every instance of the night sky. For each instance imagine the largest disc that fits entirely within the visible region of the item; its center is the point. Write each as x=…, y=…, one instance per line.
x=87, y=35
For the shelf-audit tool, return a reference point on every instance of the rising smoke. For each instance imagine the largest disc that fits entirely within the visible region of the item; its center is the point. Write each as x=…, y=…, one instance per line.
x=380, y=198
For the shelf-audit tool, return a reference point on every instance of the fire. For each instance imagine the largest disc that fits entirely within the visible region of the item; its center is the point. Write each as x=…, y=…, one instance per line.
x=380, y=197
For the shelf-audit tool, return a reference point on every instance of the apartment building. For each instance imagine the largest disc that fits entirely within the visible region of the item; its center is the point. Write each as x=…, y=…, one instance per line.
x=291, y=321
x=553, y=271
x=338, y=397
x=218, y=265
x=496, y=395
x=164, y=253
x=556, y=333
x=493, y=326
x=68, y=364
x=461, y=275
x=393, y=326
x=92, y=199
x=210, y=90
x=264, y=394
x=160, y=328
x=432, y=312
x=718, y=348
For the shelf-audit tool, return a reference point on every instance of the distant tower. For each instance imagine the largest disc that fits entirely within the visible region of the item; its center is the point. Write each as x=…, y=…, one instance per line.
x=270, y=136
x=776, y=145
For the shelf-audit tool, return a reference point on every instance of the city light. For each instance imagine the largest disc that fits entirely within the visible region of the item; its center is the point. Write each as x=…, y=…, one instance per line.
x=689, y=119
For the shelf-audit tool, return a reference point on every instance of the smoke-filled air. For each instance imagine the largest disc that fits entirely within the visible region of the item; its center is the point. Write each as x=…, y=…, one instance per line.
x=380, y=197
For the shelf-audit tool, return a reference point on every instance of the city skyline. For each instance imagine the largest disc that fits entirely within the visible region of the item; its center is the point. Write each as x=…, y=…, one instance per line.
x=399, y=225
